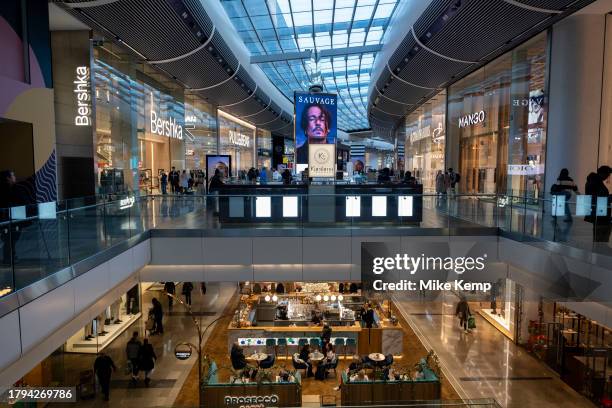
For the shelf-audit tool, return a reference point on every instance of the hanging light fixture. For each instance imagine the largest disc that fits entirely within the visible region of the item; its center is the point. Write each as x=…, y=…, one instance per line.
x=267, y=298
x=333, y=298
x=340, y=298
x=326, y=298
x=318, y=298
x=274, y=298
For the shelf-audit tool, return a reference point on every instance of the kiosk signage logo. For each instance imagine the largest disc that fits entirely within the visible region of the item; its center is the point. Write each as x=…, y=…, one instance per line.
x=321, y=160
x=239, y=139
x=127, y=202
x=472, y=119
x=82, y=91
x=251, y=401
x=168, y=127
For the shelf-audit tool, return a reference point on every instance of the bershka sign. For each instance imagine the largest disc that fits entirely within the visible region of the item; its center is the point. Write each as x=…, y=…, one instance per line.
x=165, y=127
x=252, y=400
x=82, y=92
x=239, y=139
x=472, y=119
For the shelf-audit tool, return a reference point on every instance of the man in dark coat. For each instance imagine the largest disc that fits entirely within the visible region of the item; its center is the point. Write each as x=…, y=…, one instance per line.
x=596, y=188
x=103, y=368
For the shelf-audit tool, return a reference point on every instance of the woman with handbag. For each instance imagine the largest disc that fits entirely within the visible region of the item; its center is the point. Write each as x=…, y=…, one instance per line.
x=564, y=187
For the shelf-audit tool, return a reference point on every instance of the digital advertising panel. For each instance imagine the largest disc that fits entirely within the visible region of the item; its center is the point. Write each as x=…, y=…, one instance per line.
x=315, y=124
x=221, y=162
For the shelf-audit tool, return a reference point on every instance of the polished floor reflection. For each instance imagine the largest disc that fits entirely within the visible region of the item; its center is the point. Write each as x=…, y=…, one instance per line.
x=170, y=373
x=485, y=363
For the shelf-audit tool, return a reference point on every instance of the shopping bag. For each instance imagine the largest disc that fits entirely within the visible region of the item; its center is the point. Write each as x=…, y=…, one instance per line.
x=471, y=322
x=150, y=324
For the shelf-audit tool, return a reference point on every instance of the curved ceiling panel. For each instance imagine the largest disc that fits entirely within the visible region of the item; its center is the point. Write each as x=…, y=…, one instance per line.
x=447, y=41
x=179, y=38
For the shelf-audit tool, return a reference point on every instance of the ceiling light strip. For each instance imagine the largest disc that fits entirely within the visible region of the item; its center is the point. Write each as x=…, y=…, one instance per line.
x=392, y=100
x=257, y=113
x=244, y=100
x=275, y=119
x=93, y=3
x=180, y=57
x=406, y=82
x=532, y=8
x=220, y=83
x=437, y=53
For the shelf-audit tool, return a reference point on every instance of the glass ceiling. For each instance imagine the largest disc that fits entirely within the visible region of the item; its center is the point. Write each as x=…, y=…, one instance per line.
x=277, y=27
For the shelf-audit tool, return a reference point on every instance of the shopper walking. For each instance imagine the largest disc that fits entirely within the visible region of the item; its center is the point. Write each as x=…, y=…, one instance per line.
x=564, y=187
x=439, y=183
x=158, y=316
x=132, y=351
x=147, y=359
x=187, y=289
x=596, y=188
x=286, y=177
x=276, y=176
x=184, y=181
x=174, y=180
x=164, y=182
x=463, y=313
x=103, y=369
x=170, y=288
x=454, y=179
x=203, y=288
x=263, y=176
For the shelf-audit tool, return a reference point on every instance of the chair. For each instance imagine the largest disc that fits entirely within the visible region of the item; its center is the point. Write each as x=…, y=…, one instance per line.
x=302, y=342
x=282, y=342
x=268, y=362
x=350, y=342
x=315, y=342
x=333, y=365
x=298, y=363
x=271, y=343
x=339, y=341
x=387, y=361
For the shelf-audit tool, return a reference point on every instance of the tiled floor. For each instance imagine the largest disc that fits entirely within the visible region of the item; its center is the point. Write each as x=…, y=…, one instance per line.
x=484, y=363
x=169, y=373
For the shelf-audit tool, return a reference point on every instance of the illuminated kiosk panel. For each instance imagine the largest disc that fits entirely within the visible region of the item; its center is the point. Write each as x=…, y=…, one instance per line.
x=379, y=206
x=404, y=206
x=353, y=206
x=263, y=207
x=290, y=207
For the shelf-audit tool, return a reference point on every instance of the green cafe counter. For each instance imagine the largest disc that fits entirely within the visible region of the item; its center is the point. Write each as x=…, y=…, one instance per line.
x=265, y=392
x=373, y=392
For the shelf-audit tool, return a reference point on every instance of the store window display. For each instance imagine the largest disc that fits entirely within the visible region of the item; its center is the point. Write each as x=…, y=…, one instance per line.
x=425, y=141
x=497, y=116
x=146, y=124
x=237, y=139
x=106, y=326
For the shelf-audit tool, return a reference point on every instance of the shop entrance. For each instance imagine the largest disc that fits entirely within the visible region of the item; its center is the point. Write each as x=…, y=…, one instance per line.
x=154, y=158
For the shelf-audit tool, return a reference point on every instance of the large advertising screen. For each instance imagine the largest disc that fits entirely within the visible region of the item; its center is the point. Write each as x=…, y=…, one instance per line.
x=315, y=124
x=222, y=162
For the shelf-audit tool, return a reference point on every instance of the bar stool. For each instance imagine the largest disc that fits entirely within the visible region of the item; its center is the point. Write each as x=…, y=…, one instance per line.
x=350, y=342
x=271, y=343
x=282, y=342
x=316, y=343
x=302, y=343
x=339, y=341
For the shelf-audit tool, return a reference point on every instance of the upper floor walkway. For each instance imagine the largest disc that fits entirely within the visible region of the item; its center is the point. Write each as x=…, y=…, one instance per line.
x=40, y=240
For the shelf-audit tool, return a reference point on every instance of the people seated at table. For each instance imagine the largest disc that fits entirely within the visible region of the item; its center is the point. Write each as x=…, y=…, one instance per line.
x=359, y=376
x=285, y=376
x=356, y=364
x=239, y=361
x=330, y=361
x=390, y=374
x=305, y=357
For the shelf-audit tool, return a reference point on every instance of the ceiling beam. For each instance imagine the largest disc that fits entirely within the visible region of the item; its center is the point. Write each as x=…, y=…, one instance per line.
x=308, y=54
